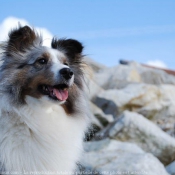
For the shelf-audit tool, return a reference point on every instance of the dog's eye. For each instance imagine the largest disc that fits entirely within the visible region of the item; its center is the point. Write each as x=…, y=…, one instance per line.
x=42, y=61
x=65, y=63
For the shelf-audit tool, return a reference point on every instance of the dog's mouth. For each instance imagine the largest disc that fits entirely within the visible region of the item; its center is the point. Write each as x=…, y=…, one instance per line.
x=57, y=92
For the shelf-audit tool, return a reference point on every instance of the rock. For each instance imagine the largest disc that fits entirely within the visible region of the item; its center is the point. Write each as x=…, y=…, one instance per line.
x=110, y=144
x=99, y=114
x=98, y=120
x=161, y=110
x=134, y=128
x=117, y=77
x=1, y=53
x=149, y=94
x=154, y=102
x=171, y=168
x=108, y=106
x=92, y=89
x=114, y=157
x=155, y=76
x=95, y=121
x=123, y=163
x=122, y=75
x=133, y=92
x=96, y=67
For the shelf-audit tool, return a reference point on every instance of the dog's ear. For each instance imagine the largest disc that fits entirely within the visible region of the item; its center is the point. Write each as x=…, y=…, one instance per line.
x=72, y=48
x=21, y=39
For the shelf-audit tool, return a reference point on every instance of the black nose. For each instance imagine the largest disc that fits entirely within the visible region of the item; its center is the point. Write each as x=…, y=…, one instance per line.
x=66, y=73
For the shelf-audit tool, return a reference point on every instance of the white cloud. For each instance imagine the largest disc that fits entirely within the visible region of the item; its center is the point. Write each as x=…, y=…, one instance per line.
x=12, y=22
x=157, y=63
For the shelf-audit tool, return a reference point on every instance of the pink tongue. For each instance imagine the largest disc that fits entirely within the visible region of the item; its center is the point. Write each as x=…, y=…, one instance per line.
x=61, y=94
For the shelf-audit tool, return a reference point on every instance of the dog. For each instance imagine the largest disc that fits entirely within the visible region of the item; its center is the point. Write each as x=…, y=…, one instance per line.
x=43, y=108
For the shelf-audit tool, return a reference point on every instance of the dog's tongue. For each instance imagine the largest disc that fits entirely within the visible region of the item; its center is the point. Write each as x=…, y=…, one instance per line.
x=61, y=95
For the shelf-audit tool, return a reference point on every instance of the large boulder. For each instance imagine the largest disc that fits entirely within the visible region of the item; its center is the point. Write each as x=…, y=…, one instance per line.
x=99, y=120
x=121, y=75
x=92, y=88
x=103, y=118
x=107, y=105
x=117, y=76
x=155, y=102
x=135, y=128
x=114, y=157
x=171, y=168
x=96, y=67
x=111, y=144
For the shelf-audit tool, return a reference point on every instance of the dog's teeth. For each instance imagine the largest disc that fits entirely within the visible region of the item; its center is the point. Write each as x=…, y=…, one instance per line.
x=45, y=88
x=65, y=89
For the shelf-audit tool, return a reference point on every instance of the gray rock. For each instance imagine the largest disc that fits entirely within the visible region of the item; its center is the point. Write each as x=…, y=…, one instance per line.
x=96, y=67
x=92, y=89
x=95, y=121
x=98, y=120
x=154, y=102
x=171, y=168
x=108, y=106
x=100, y=116
x=114, y=157
x=110, y=144
x=121, y=75
x=117, y=77
x=134, y=128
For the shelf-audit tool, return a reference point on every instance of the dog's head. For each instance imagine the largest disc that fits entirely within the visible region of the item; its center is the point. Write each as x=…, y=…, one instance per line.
x=30, y=69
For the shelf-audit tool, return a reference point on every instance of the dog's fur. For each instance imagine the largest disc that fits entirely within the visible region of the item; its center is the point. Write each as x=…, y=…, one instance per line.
x=40, y=133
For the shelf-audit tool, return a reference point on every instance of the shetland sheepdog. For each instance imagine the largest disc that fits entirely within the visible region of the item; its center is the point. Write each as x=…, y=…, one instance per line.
x=43, y=109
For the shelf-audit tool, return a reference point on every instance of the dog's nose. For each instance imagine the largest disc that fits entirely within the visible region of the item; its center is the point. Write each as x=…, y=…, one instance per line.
x=66, y=73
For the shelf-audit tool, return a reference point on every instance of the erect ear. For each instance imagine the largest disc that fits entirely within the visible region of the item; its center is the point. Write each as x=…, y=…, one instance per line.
x=71, y=47
x=21, y=39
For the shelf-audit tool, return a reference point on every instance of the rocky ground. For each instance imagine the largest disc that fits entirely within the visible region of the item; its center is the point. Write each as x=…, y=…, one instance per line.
x=133, y=121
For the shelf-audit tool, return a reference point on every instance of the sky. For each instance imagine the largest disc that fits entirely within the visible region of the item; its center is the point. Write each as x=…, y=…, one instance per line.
x=110, y=30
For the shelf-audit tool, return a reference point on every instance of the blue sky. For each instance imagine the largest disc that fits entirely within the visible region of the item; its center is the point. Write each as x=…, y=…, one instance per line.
x=139, y=30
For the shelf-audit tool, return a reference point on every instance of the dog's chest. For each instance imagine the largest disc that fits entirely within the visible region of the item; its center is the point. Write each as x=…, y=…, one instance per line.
x=42, y=139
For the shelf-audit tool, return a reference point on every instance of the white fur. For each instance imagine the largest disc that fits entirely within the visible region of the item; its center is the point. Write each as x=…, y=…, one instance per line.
x=40, y=137
x=56, y=57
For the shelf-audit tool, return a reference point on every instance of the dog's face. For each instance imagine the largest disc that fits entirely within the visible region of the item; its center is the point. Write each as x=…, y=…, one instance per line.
x=30, y=69
x=47, y=73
